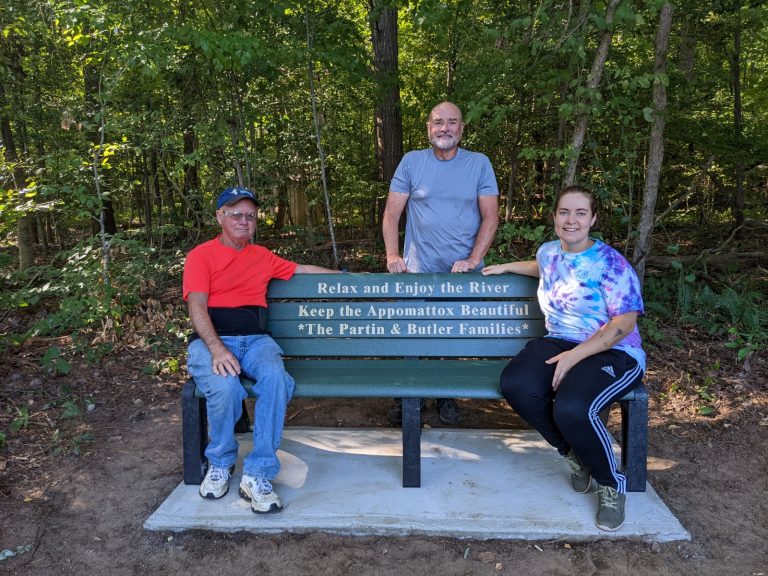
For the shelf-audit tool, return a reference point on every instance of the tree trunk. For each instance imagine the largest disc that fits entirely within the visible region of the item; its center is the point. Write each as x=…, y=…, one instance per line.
x=105, y=222
x=156, y=194
x=656, y=145
x=389, y=122
x=593, y=81
x=318, y=139
x=737, y=205
x=191, y=175
x=54, y=238
x=26, y=231
x=42, y=237
x=687, y=48
x=237, y=128
x=146, y=178
x=513, y=162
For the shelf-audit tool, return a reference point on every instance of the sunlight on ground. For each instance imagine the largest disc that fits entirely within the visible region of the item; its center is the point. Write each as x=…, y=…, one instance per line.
x=659, y=464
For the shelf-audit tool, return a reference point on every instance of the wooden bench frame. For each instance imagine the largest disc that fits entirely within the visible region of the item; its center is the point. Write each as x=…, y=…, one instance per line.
x=357, y=336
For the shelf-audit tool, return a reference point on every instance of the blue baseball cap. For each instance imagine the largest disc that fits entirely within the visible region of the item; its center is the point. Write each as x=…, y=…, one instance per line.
x=232, y=195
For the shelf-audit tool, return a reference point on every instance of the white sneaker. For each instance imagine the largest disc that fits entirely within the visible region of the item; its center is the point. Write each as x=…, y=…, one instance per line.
x=259, y=491
x=216, y=482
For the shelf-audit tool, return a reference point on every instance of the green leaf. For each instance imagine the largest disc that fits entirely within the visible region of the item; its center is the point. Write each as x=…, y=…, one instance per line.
x=648, y=114
x=63, y=366
x=743, y=353
x=71, y=409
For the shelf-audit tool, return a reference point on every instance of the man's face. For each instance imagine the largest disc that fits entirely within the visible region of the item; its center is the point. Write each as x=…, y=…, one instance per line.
x=238, y=221
x=445, y=127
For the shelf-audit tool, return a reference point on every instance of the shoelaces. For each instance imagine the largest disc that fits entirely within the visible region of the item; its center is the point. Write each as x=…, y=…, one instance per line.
x=608, y=497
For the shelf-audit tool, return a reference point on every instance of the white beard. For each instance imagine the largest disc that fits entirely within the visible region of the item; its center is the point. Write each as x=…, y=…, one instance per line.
x=444, y=142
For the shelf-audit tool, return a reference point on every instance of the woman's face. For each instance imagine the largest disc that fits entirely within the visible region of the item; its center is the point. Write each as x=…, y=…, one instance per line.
x=573, y=219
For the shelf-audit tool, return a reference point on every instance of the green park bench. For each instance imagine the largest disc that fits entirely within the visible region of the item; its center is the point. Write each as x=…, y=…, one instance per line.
x=409, y=336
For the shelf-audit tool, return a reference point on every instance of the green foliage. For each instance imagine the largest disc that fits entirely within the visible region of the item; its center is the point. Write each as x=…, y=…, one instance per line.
x=79, y=440
x=21, y=421
x=73, y=445
x=53, y=363
x=62, y=415
x=516, y=242
x=706, y=399
x=745, y=343
x=71, y=409
x=650, y=329
x=82, y=296
x=737, y=316
x=169, y=365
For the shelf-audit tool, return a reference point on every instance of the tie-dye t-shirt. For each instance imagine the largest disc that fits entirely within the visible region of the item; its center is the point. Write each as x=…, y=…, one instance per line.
x=579, y=293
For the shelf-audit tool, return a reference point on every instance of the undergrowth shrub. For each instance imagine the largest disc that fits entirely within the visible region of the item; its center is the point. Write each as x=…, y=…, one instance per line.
x=77, y=292
x=735, y=314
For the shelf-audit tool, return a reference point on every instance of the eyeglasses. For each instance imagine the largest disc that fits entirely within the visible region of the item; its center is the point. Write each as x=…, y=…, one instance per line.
x=237, y=215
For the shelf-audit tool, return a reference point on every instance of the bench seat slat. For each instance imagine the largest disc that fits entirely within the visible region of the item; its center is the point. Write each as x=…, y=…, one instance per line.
x=474, y=379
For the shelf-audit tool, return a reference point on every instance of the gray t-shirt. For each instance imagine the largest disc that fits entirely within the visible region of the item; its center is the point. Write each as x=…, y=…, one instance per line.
x=443, y=211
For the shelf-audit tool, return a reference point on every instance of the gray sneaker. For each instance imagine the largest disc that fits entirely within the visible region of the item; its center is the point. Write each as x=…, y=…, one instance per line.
x=581, y=479
x=259, y=491
x=216, y=482
x=610, y=508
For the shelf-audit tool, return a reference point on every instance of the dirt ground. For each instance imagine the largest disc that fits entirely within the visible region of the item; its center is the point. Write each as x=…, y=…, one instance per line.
x=74, y=492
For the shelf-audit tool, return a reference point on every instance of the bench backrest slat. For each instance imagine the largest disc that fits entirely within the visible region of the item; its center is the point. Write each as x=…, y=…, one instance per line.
x=409, y=310
x=402, y=286
x=404, y=315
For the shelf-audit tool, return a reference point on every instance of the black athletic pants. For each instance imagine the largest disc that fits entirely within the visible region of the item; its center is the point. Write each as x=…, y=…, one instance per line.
x=569, y=417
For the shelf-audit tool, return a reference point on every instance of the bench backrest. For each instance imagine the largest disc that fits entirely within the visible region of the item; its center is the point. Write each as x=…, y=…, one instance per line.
x=404, y=315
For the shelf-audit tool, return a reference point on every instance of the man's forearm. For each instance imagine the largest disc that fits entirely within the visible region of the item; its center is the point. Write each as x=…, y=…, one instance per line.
x=201, y=323
x=391, y=237
x=484, y=239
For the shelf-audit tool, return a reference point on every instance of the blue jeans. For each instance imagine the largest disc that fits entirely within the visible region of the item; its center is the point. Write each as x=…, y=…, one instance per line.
x=261, y=359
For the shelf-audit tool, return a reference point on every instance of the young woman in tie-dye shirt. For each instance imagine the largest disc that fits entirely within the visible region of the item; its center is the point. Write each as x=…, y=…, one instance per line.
x=591, y=356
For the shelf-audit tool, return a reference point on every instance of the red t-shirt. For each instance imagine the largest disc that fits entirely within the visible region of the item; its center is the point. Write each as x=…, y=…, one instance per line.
x=233, y=277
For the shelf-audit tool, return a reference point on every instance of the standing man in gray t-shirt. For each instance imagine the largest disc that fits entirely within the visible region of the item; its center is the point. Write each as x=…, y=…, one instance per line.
x=452, y=211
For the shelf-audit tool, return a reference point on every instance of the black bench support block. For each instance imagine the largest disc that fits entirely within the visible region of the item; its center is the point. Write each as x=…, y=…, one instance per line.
x=411, y=442
x=194, y=431
x=634, y=439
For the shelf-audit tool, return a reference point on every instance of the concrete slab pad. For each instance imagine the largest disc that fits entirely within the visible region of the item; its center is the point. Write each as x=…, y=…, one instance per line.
x=483, y=484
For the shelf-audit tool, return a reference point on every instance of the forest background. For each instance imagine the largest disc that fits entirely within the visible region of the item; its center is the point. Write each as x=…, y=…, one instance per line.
x=121, y=121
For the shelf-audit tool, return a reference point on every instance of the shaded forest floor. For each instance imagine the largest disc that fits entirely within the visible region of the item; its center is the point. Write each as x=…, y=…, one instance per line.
x=100, y=450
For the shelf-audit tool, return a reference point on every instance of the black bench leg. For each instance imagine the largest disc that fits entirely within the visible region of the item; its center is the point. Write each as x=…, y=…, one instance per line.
x=194, y=432
x=634, y=440
x=411, y=442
